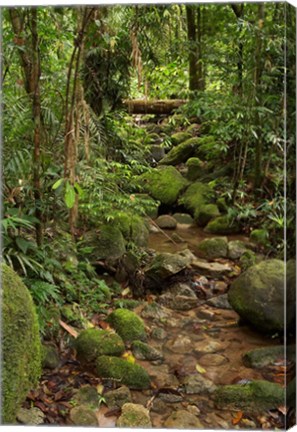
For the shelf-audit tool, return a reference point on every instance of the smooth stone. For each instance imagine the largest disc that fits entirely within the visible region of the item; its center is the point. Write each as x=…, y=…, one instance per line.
x=207, y=347
x=180, y=345
x=183, y=218
x=197, y=384
x=166, y=222
x=212, y=269
x=183, y=419
x=213, y=360
x=220, y=302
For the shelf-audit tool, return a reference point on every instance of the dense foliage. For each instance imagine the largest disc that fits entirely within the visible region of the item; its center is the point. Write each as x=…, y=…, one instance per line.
x=90, y=59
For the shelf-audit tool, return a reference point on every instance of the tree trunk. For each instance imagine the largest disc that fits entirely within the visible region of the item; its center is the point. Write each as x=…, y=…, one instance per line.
x=238, y=10
x=142, y=106
x=258, y=171
x=30, y=61
x=192, y=40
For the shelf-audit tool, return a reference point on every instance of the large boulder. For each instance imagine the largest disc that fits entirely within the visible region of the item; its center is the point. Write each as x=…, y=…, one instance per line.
x=21, y=347
x=107, y=242
x=206, y=213
x=166, y=222
x=196, y=197
x=164, y=184
x=133, y=227
x=163, y=266
x=196, y=168
x=181, y=153
x=257, y=295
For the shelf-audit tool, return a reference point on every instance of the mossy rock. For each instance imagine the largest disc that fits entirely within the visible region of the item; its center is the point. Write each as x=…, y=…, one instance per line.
x=181, y=153
x=21, y=347
x=93, y=342
x=164, y=184
x=183, y=218
x=108, y=242
x=236, y=248
x=50, y=357
x=134, y=415
x=216, y=247
x=262, y=357
x=205, y=214
x=207, y=148
x=87, y=395
x=193, y=129
x=127, y=324
x=257, y=295
x=126, y=304
x=196, y=196
x=72, y=314
x=143, y=351
x=180, y=137
x=122, y=371
x=256, y=395
x=248, y=259
x=82, y=415
x=196, y=168
x=222, y=225
x=260, y=237
x=118, y=397
x=133, y=227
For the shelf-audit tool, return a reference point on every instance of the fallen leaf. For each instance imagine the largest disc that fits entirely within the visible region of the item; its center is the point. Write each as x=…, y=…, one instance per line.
x=237, y=418
x=129, y=357
x=100, y=389
x=283, y=409
x=68, y=328
x=200, y=369
x=126, y=291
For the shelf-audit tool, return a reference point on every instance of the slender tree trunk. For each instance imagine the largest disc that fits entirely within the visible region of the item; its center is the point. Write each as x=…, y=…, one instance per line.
x=258, y=169
x=238, y=10
x=30, y=61
x=192, y=40
x=201, y=81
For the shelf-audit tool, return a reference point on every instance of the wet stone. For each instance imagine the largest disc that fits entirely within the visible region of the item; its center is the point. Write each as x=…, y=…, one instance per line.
x=158, y=333
x=212, y=269
x=220, y=302
x=183, y=419
x=180, y=345
x=206, y=314
x=198, y=384
x=208, y=347
x=213, y=360
x=117, y=398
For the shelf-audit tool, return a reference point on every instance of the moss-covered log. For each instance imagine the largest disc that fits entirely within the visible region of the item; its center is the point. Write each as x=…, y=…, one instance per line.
x=142, y=106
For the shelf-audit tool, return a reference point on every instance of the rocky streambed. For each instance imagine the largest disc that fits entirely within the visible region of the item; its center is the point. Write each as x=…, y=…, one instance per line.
x=179, y=357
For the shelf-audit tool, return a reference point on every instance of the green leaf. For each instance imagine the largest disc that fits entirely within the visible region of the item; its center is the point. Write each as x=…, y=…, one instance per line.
x=69, y=195
x=23, y=244
x=78, y=189
x=57, y=184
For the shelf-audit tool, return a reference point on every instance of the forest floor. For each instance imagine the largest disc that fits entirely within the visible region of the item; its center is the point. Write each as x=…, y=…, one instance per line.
x=198, y=349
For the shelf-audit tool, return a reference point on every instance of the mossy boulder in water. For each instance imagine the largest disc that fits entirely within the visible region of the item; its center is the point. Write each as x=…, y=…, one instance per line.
x=257, y=295
x=92, y=343
x=196, y=168
x=206, y=213
x=127, y=324
x=164, y=184
x=181, y=153
x=134, y=416
x=180, y=137
x=133, y=227
x=268, y=356
x=222, y=225
x=122, y=371
x=216, y=247
x=196, y=197
x=21, y=347
x=255, y=395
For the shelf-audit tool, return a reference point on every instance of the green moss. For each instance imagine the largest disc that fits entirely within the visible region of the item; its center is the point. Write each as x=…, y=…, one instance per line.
x=213, y=248
x=21, y=348
x=260, y=237
x=92, y=343
x=193, y=129
x=108, y=242
x=181, y=153
x=196, y=196
x=180, y=137
x=247, y=259
x=127, y=324
x=222, y=205
x=207, y=148
x=120, y=370
x=164, y=184
x=196, y=168
x=222, y=225
x=255, y=395
x=50, y=358
x=83, y=416
x=134, y=415
x=143, y=351
x=87, y=395
x=205, y=214
x=267, y=356
x=133, y=227
x=126, y=304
